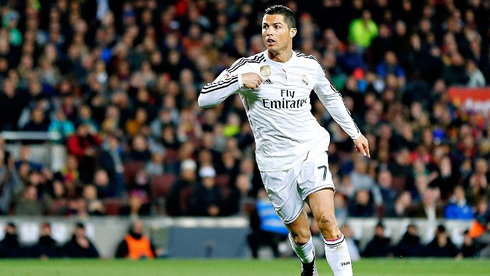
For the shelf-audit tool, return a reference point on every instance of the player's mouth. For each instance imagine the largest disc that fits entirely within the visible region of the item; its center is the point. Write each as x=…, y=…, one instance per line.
x=270, y=42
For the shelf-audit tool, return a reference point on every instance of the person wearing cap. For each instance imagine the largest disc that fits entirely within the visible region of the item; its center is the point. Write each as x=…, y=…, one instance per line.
x=176, y=204
x=80, y=246
x=206, y=198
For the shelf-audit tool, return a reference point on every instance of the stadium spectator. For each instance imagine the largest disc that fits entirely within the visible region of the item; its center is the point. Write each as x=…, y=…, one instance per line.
x=46, y=247
x=266, y=227
x=177, y=202
x=428, y=206
x=476, y=78
x=12, y=101
x=105, y=188
x=390, y=66
x=446, y=179
x=155, y=165
x=10, y=247
x=441, y=246
x=84, y=146
x=110, y=159
x=403, y=203
x=362, y=30
x=95, y=207
x=482, y=213
x=136, y=207
x=206, y=198
x=341, y=208
x=61, y=125
x=362, y=205
x=69, y=175
x=80, y=246
x=85, y=117
x=10, y=182
x=379, y=245
x=458, y=208
x=478, y=181
x=139, y=149
x=385, y=183
x=361, y=179
x=141, y=187
x=455, y=73
x=25, y=156
x=136, y=245
x=32, y=201
x=410, y=244
x=468, y=248
x=37, y=122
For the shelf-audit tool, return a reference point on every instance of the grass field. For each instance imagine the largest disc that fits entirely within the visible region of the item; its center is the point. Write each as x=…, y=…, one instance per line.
x=379, y=267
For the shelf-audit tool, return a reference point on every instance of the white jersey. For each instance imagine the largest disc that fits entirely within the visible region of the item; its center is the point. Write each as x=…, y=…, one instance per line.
x=279, y=111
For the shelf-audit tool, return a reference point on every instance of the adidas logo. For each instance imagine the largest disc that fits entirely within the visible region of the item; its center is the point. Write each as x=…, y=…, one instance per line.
x=344, y=263
x=268, y=81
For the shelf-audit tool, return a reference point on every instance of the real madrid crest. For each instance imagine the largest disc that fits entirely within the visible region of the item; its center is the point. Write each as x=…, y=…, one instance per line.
x=304, y=80
x=265, y=71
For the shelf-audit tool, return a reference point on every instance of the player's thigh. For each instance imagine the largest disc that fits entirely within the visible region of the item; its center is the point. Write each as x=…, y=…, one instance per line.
x=322, y=203
x=315, y=175
x=283, y=193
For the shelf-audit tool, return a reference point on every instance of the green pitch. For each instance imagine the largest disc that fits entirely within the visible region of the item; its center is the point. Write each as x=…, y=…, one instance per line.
x=379, y=267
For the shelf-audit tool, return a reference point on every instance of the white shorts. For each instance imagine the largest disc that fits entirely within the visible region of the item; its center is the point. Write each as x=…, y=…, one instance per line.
x=288, y=189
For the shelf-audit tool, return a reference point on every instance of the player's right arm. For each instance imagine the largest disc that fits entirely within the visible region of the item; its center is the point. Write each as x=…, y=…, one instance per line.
x=222, y=87
x=227, y=84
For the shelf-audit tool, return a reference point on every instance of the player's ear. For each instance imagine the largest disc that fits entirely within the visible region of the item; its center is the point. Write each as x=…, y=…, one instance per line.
x=292, y=32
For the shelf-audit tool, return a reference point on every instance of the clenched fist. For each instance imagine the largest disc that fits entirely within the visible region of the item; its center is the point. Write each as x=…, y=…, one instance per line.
x=251, y=80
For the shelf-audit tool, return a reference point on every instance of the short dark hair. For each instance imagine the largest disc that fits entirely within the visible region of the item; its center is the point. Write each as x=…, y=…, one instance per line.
x=288, y=14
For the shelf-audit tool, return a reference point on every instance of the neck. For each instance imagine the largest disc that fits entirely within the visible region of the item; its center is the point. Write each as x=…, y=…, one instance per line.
x=282, y=56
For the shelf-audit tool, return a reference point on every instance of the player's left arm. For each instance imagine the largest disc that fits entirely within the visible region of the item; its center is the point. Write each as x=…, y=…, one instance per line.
x=334, y=103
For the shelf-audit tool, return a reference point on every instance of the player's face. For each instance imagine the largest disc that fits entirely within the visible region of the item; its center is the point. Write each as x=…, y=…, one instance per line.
x=276, y=34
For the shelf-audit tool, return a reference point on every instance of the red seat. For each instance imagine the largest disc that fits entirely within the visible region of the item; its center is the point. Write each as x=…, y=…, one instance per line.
x=171, y=156
x=162, y=184
x=399, y=183
x=247, y=206
x=222, y=180
x=131, y=168
x=113, y=206
x=185, y=195
x=59, y=207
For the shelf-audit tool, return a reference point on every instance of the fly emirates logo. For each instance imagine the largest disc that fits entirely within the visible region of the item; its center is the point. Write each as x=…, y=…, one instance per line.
x=288, y=101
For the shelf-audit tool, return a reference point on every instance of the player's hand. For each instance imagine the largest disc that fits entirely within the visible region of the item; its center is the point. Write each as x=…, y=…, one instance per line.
x=362, y=146
x=251, y=80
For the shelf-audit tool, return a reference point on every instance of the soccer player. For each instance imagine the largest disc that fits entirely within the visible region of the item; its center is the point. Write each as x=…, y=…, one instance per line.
x=291, y=146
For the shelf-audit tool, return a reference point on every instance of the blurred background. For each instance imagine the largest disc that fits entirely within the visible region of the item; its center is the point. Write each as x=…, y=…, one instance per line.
x=104, y=151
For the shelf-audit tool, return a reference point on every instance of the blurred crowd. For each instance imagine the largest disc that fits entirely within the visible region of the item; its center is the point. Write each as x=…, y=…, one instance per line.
x=412, y=244
x=118, y=82
x=134, y=245
x=78, y=246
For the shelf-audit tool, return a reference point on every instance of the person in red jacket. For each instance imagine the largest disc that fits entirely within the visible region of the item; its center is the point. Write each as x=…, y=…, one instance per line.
x=84, y=145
